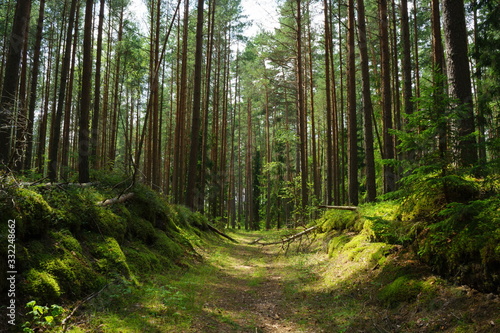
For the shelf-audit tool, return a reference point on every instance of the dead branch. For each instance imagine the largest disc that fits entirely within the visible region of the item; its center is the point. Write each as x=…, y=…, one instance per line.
x=39, y=184
x=118, y=199
x=291, y=238
x=339, y=207
x=255, y=241
x=80, y=303
x=214, y=229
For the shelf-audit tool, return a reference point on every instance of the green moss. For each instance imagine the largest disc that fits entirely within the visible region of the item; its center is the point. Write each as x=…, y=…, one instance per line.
x=110, y=224
x=141, y=229
x=337, y=243
x=142, y=260
x=65, y=239
x=167, y=246
x=34, y=214
x=109, y=257
x=403, y=289
x=42, y=286
x=340, y=220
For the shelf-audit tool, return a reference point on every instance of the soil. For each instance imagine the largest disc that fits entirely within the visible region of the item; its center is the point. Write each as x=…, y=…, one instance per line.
x=249, y=294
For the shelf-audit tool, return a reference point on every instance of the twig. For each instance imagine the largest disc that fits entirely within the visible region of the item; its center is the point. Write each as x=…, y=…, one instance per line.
x=80, y=303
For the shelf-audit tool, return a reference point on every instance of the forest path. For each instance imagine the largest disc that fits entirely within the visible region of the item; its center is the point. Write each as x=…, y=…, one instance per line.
x=254, y=289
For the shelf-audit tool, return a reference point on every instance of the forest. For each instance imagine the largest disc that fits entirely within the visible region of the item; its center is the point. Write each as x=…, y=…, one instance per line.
x=152, y=128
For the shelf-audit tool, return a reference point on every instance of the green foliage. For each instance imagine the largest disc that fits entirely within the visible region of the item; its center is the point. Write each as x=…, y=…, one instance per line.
x=465, y=243
x=42, y=317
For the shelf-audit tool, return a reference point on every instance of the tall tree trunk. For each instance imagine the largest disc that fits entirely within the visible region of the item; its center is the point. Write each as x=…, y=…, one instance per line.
x=406, y=61
x=21, y=122
x=301, y=111
x=371, y=187
x=56, y=120
x=329, y=107
x=438, y=61
x=83, y=131
x=314, y=141
x=42, y=127
x=352, y=130
x=66, y=141
x=179, y=159
x=192, y=186
x=34, y=85
x=388, y=149
x=11, y=78
x=95, y=140
x=459, y=81
x=249, y=181
x=113, y=128
x=268, y=161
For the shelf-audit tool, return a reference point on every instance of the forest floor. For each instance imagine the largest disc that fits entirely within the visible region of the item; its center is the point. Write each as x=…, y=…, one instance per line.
x=251, y=288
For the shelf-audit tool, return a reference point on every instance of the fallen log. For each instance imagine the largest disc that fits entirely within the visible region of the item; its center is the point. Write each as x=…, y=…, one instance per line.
x=291, y=238
x=339, y=207
x=214, y=229
x=119, y=199
x=48, y=185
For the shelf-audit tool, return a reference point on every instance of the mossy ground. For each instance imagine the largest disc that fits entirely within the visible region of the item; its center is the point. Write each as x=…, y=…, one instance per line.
x=69, y=247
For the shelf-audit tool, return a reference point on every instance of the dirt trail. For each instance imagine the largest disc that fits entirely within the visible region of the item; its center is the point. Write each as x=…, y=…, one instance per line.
x=258, y=289
x=248, y=294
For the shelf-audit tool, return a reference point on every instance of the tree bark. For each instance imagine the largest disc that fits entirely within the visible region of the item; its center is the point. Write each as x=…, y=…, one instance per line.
x=56, y=120
x=459, y=80
x=371, y=187
x=351, y=116
x=11, y=78
x=97, y=88
x=388, y=149
x=301, y=110
x=83, y=132
x=191, y=191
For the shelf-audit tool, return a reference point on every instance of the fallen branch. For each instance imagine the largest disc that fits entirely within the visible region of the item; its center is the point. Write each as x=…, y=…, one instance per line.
x=118, y=199
x=39, y=184
x=80, y=303
x=214, y=229
x=339, y=207
x=291, y=238
x=255, y=241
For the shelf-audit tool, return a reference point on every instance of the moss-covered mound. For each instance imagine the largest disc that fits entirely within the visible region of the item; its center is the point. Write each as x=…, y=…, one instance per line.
x=451, y=223
x=68, y=245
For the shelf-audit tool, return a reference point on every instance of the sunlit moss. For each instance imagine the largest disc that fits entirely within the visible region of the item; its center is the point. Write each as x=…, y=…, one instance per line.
x=42, y=285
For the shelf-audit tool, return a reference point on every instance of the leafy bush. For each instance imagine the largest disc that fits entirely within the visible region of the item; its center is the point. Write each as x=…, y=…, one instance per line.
x=42, y=317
